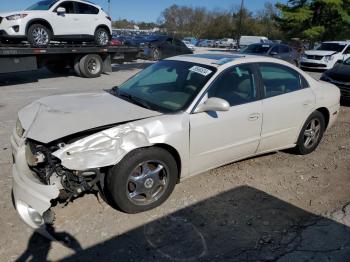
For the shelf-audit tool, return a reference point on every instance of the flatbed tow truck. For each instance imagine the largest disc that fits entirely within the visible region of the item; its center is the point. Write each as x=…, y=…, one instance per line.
x=87, y=60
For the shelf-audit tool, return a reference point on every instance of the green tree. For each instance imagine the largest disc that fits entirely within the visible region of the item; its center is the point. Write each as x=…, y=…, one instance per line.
x=315, y=19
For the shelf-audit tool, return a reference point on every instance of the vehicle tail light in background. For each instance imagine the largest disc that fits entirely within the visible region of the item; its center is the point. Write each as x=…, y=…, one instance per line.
x=109, y=18
x=116, y=42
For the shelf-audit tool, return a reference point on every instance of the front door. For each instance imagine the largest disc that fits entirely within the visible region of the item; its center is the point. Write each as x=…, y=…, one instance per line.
x=217, y=138
x=67, y=23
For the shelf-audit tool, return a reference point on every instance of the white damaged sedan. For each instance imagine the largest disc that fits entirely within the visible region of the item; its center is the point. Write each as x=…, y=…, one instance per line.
x=175, y=119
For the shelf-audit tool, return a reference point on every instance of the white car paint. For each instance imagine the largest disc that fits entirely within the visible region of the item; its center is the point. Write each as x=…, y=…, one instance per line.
x=202, y=140
x=246, y=40
x=325, y=59
x=62, y=25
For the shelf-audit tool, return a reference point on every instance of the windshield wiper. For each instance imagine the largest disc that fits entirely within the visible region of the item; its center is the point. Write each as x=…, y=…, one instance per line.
x=134, y=99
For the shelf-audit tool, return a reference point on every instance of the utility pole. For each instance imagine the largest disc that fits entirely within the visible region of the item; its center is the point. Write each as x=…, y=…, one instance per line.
x=109, y=7
x=240, y=23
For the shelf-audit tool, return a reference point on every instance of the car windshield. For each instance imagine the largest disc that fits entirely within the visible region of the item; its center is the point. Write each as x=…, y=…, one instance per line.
x=167, y=86
x=331, y=47
x=256, y=49
x=42, y=5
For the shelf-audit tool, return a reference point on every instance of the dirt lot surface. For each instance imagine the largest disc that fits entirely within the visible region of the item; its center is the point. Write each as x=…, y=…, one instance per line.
x=277, y=207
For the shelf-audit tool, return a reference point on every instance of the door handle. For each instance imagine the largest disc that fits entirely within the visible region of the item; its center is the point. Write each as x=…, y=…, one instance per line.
x=254, y=117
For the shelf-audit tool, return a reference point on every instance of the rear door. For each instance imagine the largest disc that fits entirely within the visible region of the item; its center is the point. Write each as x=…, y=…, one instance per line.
x=167, y=48
x=288, y=101
x=285, y=53
x=88, y=18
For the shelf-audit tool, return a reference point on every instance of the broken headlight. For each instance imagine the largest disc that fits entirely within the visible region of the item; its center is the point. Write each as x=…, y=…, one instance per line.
x=19, y=128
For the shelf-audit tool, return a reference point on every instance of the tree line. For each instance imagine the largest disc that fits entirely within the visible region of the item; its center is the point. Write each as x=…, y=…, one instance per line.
x=313, y=20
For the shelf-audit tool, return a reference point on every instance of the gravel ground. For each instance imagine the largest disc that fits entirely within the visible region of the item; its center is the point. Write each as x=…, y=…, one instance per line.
x=277, y=207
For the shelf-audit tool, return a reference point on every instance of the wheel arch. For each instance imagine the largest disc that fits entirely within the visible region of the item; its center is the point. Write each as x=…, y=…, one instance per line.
x=39, y=21
x=174, y=153
x=104, y=27
x=325, y=112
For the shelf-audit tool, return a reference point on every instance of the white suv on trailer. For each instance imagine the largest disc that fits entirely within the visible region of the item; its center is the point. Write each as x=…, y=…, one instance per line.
x=326, y=55
x=59, y=20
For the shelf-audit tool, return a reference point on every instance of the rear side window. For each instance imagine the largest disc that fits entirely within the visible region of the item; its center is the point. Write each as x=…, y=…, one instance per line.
x=284, y=49
x=279, y=80
x=86, y=9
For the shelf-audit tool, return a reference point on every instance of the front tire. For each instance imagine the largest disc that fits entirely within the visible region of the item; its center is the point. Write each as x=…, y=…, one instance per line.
x=156, y=54
x=39, y=35
x=101, y=37
x=311, y=134
x=143, y=180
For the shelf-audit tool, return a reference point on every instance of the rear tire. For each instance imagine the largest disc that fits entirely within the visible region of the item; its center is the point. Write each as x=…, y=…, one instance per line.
x=311, y=134
x=39, y=35
x=143, y=180
x=102, y=37
x=91, y=66
x=76, y=66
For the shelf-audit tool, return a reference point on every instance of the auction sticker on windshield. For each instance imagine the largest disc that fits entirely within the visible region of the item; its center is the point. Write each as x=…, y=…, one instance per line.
x=200, y=70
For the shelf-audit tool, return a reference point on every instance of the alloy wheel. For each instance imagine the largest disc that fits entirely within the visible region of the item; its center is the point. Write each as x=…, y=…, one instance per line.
x=147, y=182
x=40, y=36
x=312, y=133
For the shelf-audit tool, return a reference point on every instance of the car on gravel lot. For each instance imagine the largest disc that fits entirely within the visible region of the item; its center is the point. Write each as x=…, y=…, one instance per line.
x=326, y=55
x=339, y=75
x=59, y=20
x=175, y=119
x=280, y=51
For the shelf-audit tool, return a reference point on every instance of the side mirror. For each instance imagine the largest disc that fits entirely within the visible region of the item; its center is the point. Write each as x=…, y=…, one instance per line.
x=273, y=53
x=61, y=11
x=213, y=104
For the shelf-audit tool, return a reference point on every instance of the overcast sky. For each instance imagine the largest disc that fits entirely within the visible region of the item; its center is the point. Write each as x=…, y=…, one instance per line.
x=147, y=10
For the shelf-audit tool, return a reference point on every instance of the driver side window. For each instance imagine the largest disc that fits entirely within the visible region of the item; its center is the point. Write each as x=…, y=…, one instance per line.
x=69, y=6
x=237, y=85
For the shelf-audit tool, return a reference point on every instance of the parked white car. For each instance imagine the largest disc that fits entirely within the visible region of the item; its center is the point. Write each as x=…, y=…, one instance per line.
x=246, y=40
x=59, y=20
x=227, y=43
x=189, y=45
x=326, y=55
x=177, y=118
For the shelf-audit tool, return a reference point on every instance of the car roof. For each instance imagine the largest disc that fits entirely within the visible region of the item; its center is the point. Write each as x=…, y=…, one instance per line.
x=337, y=42
x=221, y=59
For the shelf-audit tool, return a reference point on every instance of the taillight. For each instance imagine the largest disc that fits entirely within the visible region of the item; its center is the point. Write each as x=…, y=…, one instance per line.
x=110, y=19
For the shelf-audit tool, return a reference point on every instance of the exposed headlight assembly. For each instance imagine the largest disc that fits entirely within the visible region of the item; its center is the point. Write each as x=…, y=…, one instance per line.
x=16, y=17
x=19, y=128
x=328, y=58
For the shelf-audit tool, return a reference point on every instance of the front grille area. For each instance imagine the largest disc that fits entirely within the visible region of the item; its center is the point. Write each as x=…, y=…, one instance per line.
x=314, y=57
x=312, y=65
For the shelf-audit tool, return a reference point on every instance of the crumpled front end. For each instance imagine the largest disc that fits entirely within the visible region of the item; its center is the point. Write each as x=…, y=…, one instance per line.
x=31, y=197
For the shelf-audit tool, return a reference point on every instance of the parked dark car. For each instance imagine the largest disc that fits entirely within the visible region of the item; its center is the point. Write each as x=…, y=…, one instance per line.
x=280, y=51
x=161, y=46
x=340, y=76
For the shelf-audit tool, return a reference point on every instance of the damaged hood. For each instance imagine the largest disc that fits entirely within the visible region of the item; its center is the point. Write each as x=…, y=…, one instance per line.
x=55, y=117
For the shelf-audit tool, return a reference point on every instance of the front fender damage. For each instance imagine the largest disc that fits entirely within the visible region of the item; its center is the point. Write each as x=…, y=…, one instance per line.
x=103, y=149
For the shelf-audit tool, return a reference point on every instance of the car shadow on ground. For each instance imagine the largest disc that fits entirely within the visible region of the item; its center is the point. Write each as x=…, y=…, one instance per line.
x=243, y=224
x=131, y=66
x=40, y=244
x=29, y=77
